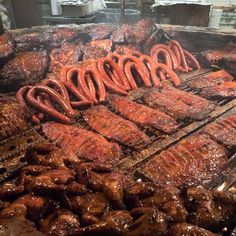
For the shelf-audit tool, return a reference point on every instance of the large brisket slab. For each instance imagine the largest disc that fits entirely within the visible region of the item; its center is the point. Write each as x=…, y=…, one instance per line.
x=114, y=127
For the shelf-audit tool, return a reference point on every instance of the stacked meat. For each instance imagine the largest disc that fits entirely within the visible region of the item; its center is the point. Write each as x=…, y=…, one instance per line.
x=67, y=198
x=216, y=85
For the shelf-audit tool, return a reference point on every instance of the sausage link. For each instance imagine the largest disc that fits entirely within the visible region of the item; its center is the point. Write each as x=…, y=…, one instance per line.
x=30, y=97
x=192, y=60
x=169, y=73
x=117, y=81
x=129, y=75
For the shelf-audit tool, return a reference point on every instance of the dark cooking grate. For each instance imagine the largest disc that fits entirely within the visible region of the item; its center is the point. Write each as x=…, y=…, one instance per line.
x=12, y=152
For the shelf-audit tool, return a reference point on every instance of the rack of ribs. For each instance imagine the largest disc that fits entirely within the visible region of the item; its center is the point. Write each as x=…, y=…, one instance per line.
x=108, y=124
x=178, y=104
x=197, y=160
x=223, y=131
x=212, y=79
x=85, y=144
x=225, y=90
x=143, y=115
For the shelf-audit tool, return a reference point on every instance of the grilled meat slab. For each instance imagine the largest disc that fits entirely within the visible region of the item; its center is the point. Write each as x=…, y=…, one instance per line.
x=93, y=52
x=114, y=127
x=143, y=115
x=178, y=104
x=197, y=160
x=7, y=47
x=67, y=54
x=99, y=32
x=223, y=131
x=12, y=118
x=225, y=90
x=87, y=145
x=212, y=79
x=25, y=69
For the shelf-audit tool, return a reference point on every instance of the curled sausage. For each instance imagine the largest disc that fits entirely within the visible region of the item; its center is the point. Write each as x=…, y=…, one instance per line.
x=162, y=50
x=138, y=66
x=20, y=96
x=170, y=74
x=192, y=60
x=86, y=86
x=58, y=86
x=71, y=86
x=114, y=56
x=115, y=80
x=183, y=62
x=31, y=98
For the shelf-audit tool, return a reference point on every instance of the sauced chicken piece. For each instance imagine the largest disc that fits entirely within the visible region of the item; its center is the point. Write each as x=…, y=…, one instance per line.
x=149, y=222
x=61, y=223
x=114, y=127
x=51, y=182
x=211, y=210
x=112, y=223
x=30, y=206
x=18, y=227
x=100, y=178
x=168, y=200
x=90, y=206
x=105, y=44
x=27, y=68
x=92, y=52
x=189, y=230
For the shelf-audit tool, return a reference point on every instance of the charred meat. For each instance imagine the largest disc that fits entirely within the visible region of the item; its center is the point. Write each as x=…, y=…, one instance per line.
x=12, y=118
x=67, y=54
x=87, y=145
x=7, y=47
x=143, y=115
x=114, y=127
x=25, y=69
x=195, y=161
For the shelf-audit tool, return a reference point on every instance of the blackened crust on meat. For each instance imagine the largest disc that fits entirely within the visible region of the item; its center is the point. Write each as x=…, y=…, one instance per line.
x=25, y=69
x=92, y=52
x=108, y=124
x=67, y=54
x=98, y=32
x=7, y=47
x=198, y=160
x=87, y=145
x=12, y=119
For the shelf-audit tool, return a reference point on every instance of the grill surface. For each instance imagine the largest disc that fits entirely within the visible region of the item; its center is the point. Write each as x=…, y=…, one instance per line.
x=12, y=150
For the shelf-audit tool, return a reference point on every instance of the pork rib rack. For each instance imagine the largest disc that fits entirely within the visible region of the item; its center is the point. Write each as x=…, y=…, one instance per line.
x=178, y=104
x=143, y=115
x=223, y=131
x=114, y=127
x=85, y=144
x=197, y=160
